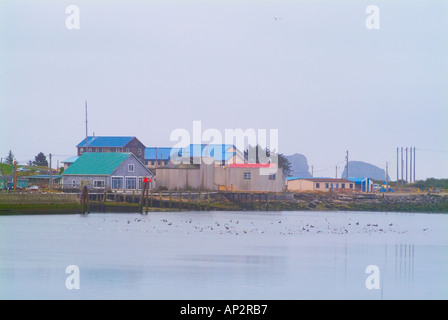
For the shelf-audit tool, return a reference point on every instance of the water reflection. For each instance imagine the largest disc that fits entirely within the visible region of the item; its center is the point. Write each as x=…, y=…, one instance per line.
x=404, y=267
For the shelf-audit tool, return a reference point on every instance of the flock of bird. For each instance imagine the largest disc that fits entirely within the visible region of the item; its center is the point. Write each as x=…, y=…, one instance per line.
x=163, y=224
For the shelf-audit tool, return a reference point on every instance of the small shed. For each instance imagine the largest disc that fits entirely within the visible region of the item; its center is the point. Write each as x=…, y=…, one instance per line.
x=362, y=184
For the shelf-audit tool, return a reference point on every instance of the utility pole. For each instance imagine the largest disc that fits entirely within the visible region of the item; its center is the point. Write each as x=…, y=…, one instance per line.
x=387, y=173
x=312, y=171
x=414, y=164
x=87, y=132
x=406, y=164
x=398, y=167
x=410, y=165
x=402, y=166
x=346, y=166
x=336, y=172
x=50, y=180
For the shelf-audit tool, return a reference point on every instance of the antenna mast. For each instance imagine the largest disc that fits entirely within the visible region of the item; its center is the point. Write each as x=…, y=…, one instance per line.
x=87, y=134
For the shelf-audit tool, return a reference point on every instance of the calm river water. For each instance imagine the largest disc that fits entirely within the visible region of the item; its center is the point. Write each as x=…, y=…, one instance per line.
x=225, y=255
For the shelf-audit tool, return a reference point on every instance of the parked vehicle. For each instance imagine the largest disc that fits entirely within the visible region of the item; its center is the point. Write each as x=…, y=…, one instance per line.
x=376, y=187
x=33, y=188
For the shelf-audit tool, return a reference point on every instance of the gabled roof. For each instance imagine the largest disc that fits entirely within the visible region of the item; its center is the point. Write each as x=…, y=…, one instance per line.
x=113, y=142
x=97, y=163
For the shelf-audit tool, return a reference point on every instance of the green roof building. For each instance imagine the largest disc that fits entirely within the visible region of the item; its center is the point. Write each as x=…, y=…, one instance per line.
x=99, y=171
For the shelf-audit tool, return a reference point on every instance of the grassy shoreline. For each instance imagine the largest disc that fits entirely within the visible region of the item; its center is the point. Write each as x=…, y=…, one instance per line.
x=69, y=204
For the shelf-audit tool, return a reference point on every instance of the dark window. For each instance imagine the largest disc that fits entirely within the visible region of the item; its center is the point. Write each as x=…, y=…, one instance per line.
x=98, y=184
x=317, y=185
x=327, y=185
x=247, y=175
x=351, y=185
x=272, y=176
x=343, y=185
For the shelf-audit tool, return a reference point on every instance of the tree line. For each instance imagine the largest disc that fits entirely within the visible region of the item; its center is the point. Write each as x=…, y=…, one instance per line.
x=39, y=160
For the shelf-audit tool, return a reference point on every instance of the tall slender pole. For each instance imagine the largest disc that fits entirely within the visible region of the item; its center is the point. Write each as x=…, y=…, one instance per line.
x=406, y=165
x=398, y=166
x=336, y=172
x=312, y=171
x=402, y=166
x=87, y=132
x=387, y=173
x=410, y=165
x=51, y=173
x=346, y=168
x=414, y=164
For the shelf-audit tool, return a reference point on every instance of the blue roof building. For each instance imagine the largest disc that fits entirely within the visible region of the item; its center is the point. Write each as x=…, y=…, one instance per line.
x=221, y=153
x=112, y=144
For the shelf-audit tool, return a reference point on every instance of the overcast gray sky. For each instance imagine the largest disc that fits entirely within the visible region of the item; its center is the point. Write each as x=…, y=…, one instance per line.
x=310, y=69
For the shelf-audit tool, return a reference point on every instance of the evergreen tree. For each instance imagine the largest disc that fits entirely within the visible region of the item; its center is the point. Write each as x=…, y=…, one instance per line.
x=40, y=160
x=10, y=158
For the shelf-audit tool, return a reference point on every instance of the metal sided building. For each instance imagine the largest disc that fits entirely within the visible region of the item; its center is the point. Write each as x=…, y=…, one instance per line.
x=99, y=171
x=362, y=184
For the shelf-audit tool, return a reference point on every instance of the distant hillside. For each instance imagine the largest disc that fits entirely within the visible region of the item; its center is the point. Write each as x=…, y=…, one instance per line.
x=299, y=165
x=364, y=169
x=5, y=169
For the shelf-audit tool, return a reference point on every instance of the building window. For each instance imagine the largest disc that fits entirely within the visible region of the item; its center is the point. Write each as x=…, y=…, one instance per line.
x=131, y=183
x=97, y=150
x=107, y=150
x=73, y=184
x=81, y=150
x=102, y=149
x=351, y=185
x=343, y=185
x=166, y=162
x=127, y=150
x=317, y=185
x=272, y=176
x=152, y=163
x=117, y=182
x=327, y=185
x=140, y=183
x=98, y=184
x=139, y=151
x=130, y=167
x=247, y=175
